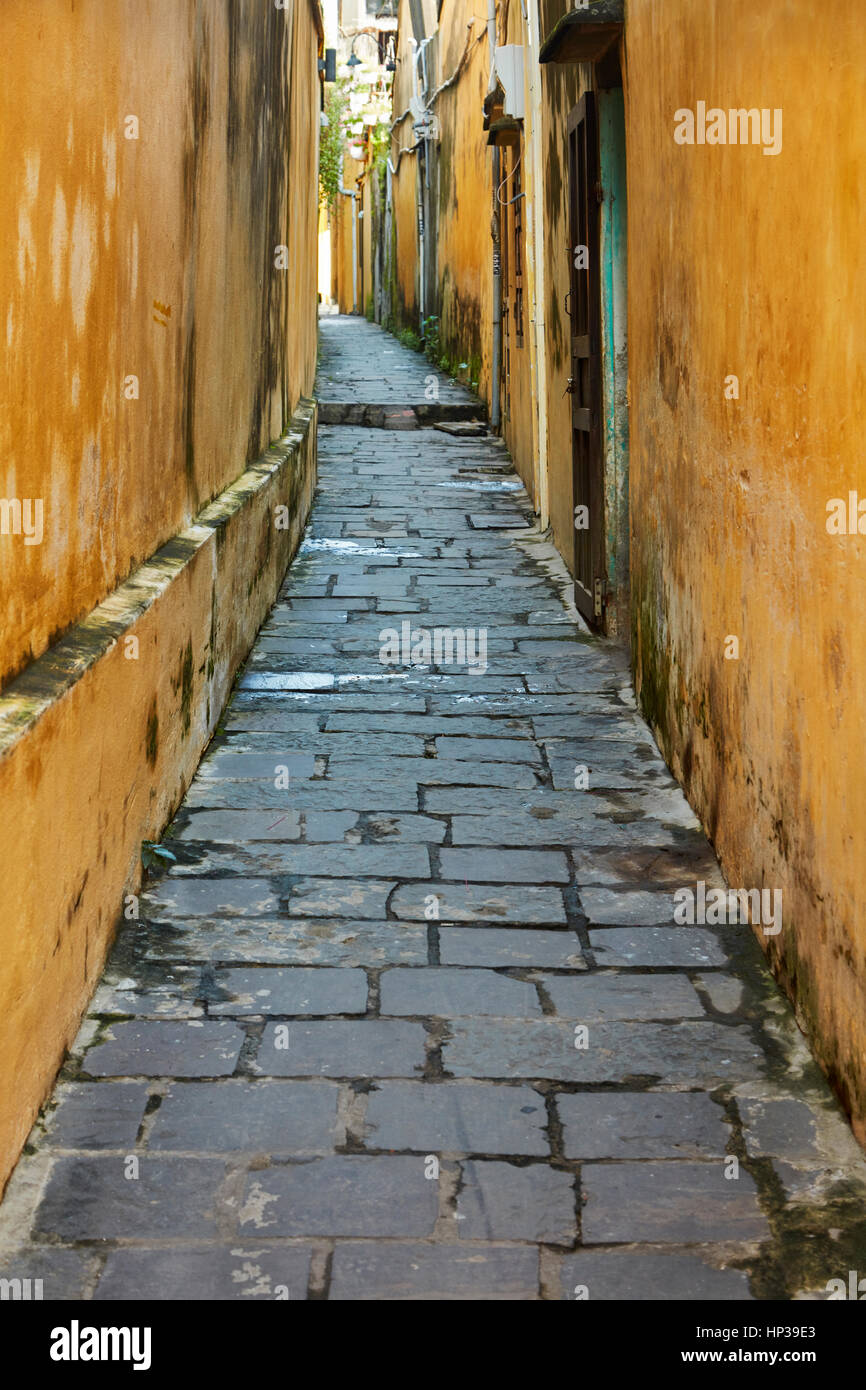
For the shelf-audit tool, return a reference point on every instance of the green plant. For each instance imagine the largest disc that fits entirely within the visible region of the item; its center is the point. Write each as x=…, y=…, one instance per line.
x=381, y=149
x=432, y=340
x=331, y=144
x=155, y=856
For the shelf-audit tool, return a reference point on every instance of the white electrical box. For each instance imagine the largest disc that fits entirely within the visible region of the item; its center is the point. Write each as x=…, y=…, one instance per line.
x=509, y=70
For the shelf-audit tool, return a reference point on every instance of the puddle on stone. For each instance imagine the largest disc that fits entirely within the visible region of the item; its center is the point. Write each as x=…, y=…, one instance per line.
x=480, y=485
x=379, y=675
x=287, y=680
x=353, y=548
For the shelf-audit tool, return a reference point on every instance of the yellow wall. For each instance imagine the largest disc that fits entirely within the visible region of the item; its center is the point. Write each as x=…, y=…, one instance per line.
x=518, y=411
x=754, y=265
x=99, y=228
x=459, y=227
x=96, y=748
x=341, y=240
x=738, y=263
x=465, y=196
x=405, y=261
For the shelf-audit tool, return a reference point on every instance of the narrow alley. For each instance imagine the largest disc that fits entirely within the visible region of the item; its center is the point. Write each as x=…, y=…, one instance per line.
x=407, y=1013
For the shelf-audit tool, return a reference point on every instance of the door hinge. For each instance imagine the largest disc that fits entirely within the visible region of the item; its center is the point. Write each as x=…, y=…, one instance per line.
x=598, y=597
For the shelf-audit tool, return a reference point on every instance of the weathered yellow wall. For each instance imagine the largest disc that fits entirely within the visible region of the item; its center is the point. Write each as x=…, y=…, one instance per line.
x=96, y=749
x=401, y=256
x=341, y=239
x=738, y=263
x=463, y=166
x=366, y=301
x=518, y=411
x=335, y=232
x=755, y=265
x=405, y=263
x=465, y=196
x=459, y=231
x=341, y=255
x=99, y=228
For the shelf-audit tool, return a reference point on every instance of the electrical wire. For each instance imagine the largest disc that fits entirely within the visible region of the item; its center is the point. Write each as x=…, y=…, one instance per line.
x=517, y=196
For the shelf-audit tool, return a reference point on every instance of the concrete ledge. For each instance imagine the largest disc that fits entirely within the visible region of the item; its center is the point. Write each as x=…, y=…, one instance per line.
x=387, y=417
x=99, y=739
x=432, y=412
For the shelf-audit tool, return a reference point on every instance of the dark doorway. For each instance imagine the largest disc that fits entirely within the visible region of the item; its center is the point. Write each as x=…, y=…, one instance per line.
x=584, y=308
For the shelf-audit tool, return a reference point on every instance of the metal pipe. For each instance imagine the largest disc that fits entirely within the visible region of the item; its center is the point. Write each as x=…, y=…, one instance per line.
x=491, y=40
x=419, y=63
x=387, y=314
x=352, y=193
x=421, y=266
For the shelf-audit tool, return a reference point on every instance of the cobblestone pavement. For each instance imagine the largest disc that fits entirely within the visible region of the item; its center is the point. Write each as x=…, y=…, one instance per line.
x=409, y=1016
x=357, y=366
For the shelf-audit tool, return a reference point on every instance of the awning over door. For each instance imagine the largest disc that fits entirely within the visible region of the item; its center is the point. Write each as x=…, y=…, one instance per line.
x=584, y=35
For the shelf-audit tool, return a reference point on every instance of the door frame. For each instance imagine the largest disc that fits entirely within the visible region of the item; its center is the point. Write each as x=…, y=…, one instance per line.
x=585, y=386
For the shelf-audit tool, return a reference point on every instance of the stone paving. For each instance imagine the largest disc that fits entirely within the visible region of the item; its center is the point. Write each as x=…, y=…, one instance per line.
x=363, y=380
x=409, y=1016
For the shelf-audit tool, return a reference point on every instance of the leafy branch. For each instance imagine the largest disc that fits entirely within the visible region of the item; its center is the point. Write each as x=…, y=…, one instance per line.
x=332, y=143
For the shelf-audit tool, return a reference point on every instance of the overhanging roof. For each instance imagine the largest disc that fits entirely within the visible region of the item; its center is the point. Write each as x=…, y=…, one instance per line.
x=505, y=131
x=493, y=105
x=585, y=34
